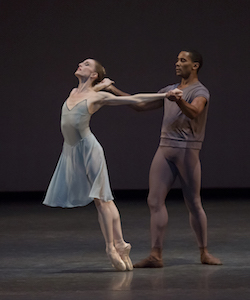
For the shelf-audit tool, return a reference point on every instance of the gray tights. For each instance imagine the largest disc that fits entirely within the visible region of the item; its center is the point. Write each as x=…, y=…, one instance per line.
x=168, y=163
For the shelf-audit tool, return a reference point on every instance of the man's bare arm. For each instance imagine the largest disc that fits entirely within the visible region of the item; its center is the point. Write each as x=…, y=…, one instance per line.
x=148, y=105
x=106, y=84
x=116, y=91
x=194, y=109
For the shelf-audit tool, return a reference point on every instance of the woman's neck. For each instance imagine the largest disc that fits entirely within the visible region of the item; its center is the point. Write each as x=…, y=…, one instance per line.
x=84, y=87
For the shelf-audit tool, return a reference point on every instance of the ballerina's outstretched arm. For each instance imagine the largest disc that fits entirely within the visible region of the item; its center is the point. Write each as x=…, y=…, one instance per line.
x=105, y=98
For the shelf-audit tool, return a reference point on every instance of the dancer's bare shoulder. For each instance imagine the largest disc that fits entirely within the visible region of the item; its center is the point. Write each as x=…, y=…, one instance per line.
x=95, y=101
x=99, y=97
x=73, y=91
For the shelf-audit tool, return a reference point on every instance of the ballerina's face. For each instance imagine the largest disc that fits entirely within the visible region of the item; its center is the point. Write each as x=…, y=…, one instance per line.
x=86, y=68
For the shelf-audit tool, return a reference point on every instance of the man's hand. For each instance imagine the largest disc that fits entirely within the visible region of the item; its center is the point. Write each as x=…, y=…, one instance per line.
x=105, y=84
x=174, y=95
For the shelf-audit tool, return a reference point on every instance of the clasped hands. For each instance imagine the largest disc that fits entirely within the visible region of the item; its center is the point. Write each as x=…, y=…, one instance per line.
x=106, y=84
x=174, y=95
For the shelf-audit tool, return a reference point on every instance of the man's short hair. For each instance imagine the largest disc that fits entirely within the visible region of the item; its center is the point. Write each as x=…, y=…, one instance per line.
x=195, y=57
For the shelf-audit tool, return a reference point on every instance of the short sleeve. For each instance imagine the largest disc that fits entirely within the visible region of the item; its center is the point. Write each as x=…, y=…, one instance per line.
x=202, y=92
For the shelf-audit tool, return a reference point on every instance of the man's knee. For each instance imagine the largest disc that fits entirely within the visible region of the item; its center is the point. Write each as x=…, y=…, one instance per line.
x=194, y=205
x=155, y=203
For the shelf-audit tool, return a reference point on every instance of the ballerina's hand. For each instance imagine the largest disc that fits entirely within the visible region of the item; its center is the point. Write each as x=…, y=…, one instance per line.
x=106, y=83
x=174, y=95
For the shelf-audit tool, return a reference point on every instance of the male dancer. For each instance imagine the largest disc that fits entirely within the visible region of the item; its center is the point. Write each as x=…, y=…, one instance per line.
x=182, y=134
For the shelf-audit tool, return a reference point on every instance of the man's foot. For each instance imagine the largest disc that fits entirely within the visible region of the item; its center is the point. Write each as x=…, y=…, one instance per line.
x=149, y=262
x=124, y=254
x=209, y=259
x=116, y=260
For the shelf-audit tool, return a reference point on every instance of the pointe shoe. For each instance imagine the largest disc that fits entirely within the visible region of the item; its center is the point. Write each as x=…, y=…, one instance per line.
x=116, y=260
x=124, y=254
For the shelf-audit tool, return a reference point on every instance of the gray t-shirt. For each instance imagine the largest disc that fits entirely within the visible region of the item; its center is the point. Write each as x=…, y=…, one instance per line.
x=177, y=129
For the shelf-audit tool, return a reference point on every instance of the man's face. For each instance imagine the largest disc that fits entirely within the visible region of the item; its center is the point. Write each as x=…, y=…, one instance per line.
x=184, y=65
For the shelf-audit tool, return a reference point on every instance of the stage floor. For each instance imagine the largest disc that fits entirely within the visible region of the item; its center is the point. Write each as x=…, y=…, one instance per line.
x=54, y=253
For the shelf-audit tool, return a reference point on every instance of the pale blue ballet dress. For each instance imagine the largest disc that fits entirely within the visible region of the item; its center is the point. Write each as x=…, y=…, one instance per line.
x=81, y=172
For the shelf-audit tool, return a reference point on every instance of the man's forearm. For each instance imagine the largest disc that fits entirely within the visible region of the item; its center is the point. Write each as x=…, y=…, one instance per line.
x=116, y=91
x=144, y=106
x=188, y=109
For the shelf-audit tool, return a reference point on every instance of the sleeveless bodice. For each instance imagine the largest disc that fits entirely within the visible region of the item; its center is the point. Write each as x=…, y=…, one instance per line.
x=81, y=173
x=75, y=122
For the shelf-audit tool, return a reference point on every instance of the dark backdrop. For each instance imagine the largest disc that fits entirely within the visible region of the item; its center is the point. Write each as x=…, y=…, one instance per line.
x=138, y=42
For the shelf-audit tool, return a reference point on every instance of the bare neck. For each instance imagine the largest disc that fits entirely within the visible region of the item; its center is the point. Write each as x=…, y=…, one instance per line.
x=84, y=86
x=185, y=82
